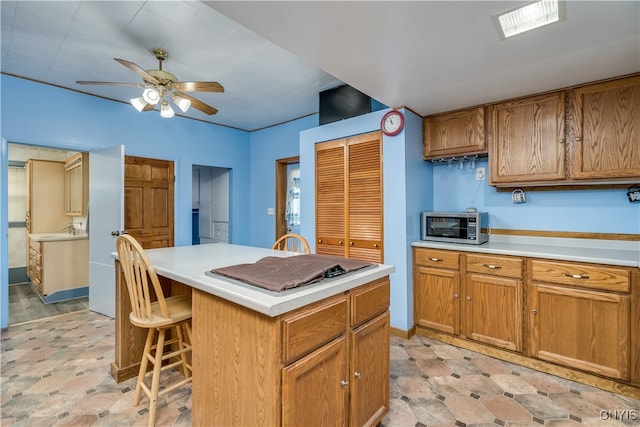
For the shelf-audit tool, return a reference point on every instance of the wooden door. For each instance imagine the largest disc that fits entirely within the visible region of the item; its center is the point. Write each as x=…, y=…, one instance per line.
x=436, y=299
x=459, y=132
x=606, y=128
x=313, y=392
x=330, y=198
x=364, y=198
x=149, y=201
x=527, y=139
x=493, y=310
x=349, y=204
x=369, y=382
x=582, y=329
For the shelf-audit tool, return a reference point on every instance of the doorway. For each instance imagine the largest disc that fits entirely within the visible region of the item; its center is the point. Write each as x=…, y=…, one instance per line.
x=26, y=303
x=287, y=196
x=210, y=204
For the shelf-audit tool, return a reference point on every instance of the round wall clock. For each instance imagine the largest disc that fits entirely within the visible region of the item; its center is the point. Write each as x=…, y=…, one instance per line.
x=392, y=123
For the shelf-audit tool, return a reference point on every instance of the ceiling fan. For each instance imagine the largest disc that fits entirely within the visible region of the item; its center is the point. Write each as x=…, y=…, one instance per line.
x=159, y=85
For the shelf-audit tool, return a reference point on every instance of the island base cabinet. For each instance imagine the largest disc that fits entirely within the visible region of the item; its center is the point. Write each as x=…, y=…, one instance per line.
x=369, y=385
x=583, y=329
x=314, y=390
x=326, y=363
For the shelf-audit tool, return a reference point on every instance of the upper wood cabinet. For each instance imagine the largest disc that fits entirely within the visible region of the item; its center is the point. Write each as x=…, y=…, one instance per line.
x=531, y=145
x=76, y=184
x=459, y=132
x=606, y=130
x=45, y=197
x=349, y=211
x=527, y=139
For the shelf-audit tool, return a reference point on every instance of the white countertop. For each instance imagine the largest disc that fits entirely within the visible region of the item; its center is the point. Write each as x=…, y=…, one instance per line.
x=612, y=252
x=54, y=237
x=188, y=264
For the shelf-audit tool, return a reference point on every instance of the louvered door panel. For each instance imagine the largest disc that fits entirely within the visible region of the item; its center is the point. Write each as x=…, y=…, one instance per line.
x=330, y=198
x=365, y=197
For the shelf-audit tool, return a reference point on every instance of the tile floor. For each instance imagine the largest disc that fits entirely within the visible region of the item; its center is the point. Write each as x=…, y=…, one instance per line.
x=26, y=305
x=55, y=372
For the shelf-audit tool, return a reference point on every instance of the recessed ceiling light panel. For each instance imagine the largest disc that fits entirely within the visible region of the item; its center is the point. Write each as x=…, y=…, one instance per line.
x=528, y=17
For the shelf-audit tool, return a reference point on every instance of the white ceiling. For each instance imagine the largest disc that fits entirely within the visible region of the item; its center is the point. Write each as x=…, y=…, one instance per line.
x=274, y=57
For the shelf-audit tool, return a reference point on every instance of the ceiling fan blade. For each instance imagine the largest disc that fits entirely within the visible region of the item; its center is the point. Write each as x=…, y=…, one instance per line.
x=139, y=71
x=199, y=86
x=196, y=103
x=82, y=82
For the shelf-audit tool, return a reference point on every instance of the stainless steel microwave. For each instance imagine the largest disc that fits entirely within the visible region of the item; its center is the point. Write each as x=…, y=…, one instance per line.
x=455, y=227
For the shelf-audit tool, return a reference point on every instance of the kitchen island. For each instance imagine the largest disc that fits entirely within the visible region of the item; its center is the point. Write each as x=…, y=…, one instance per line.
x=313, y=354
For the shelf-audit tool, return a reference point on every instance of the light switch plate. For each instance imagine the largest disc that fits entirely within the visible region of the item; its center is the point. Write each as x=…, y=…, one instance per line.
x=481, y=174
x=271, y=211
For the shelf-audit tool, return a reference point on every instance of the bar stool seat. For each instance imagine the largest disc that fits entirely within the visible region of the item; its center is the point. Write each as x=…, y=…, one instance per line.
x=164, y=314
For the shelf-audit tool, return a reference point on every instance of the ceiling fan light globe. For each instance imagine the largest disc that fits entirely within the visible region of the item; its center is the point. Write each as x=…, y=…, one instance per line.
x=166, y=111
x=138, y=103
x=151, y=96
x=182, y=103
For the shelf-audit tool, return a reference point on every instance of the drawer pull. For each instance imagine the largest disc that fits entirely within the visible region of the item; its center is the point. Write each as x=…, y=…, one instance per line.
x=493, y=267
x=356, y=374
x=435, y=259
x=344, y=383
x=577, y=276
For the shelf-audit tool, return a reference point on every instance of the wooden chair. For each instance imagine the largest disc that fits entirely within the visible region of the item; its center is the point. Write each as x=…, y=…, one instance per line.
x=161, y=315
x=293, y=243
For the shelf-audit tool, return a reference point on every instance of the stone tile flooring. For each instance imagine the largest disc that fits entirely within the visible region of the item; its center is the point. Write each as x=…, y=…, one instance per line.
x=25, y=305
x=55, y=372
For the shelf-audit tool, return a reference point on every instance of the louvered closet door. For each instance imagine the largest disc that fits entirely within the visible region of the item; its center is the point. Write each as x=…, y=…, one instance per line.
x=364, y=197
x=330, y=198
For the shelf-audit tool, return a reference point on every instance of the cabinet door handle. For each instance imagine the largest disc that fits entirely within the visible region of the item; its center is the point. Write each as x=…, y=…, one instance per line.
x=493, y=267
x=435, y=259
x=319, y=240
x=577, y=276
x=455, y=295
x=534, y=311
x=578, y=139
x=468, y=298
x=350, y=243
x=356, y=374
x=344, y=383
x=339, y=242
x=561, y=140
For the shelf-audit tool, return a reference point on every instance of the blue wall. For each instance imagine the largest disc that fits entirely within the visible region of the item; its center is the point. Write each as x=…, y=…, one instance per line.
x=401, y=173
x=596, y=211
x=37, y=114
x=70, y=120
x=267, y=146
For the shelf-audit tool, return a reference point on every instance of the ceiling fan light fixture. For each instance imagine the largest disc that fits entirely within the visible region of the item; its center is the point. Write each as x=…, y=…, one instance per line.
x=138, y=103
x=166, y=111
x=151, y=96
x=182, y=103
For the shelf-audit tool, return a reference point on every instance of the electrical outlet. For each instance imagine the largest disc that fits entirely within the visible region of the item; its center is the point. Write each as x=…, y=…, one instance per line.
x=480, y=174
x=271, y=211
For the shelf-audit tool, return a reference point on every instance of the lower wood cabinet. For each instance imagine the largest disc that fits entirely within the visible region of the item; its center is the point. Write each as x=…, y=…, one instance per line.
x=576, y=315
x=58, y=265
x=492, y=306
x=323, y=364
x=436, y=283
x=580, y=316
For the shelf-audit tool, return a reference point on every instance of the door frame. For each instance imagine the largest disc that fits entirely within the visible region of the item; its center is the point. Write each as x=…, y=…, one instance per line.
x=281, y=193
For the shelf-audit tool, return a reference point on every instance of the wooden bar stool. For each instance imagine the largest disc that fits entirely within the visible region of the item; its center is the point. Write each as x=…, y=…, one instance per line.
x=156, y=316
x=293, y=243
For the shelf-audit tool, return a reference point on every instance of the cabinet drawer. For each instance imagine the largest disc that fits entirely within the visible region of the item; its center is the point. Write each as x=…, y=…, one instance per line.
x=369, y=301
x=310, y=327
x=437, y=258
x=495, y=265
x=583, y=275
